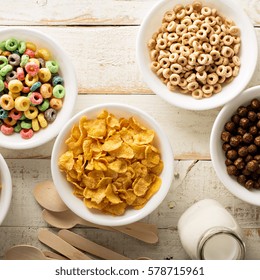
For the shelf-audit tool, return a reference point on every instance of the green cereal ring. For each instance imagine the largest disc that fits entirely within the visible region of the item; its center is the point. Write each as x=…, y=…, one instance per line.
x=6, y=69
x=24, y=60
x=21, y=47
x=58, y=91
x=27, y=124
x=2, y=46
x=3, y=61
x=22, y=117
x=57, y=80
x=2, y=86
x=11, y=44
x=44, y=106
x=18, y=127
x=52, y=66
x=35, y=86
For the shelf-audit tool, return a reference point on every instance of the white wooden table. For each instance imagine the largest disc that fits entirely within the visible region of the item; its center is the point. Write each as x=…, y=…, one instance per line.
x=100, y=38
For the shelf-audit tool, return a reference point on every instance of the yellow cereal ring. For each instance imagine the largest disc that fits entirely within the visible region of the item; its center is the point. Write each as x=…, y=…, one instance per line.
x=35, y=125
x=46, y=90
x=42, y=120
x=44, y=75
x=31, y=113
x=15, y=86
x=31, y=46
x=7, y=102
x=44, y=54
x=30, y=80
x=14, y=95
x=22, y=103
x=36, y=61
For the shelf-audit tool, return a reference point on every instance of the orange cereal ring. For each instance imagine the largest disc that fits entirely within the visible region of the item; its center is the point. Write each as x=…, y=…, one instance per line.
x=10, y=121
x=56, y=103
x=46, y=90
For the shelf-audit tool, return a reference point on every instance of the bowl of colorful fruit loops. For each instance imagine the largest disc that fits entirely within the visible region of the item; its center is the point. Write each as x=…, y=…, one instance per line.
x=38, y=88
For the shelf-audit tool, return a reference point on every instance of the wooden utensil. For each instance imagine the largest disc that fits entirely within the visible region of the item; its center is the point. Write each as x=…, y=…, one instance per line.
x=67, y=219
x=47, y=196
x=24, y=252
x=89, y=246
x=58, y=244
x=53, y=256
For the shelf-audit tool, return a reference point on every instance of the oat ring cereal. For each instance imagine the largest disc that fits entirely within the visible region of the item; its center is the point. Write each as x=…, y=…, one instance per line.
x=195, y=41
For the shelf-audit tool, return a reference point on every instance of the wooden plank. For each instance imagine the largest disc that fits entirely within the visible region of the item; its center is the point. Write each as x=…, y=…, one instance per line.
x=168, y=247
x=180, y=125
x=105, y=58
x=88, y=12
x=194, y=180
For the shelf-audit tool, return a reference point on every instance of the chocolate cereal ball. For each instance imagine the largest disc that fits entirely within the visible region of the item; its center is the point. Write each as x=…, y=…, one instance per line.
x=241, y=144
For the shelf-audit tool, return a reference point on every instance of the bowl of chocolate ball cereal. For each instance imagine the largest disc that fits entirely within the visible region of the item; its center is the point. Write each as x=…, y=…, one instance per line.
x=197, y=55
x=235, y=146
x=38, y=88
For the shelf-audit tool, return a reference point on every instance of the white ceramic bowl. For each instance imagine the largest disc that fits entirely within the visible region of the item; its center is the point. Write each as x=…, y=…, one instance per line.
x=64, y=188
x=248, y=54
x=217, y=154
x=66, y=70
x=6, y=190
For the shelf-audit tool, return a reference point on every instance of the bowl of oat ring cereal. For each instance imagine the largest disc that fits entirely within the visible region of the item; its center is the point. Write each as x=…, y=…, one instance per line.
x=235, y=146
x=197, y=55
x=38, y=88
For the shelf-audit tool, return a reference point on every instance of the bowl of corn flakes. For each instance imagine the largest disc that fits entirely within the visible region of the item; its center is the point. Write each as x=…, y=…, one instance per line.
x=197, y=55
x=112, y=164
x=5, y=189
x=38, y=88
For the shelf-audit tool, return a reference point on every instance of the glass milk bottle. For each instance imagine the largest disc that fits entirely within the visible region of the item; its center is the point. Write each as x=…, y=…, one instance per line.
x=209, y=232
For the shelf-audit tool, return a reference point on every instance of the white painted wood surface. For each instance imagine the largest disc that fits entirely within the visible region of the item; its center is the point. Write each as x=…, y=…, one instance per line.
x=100, y=38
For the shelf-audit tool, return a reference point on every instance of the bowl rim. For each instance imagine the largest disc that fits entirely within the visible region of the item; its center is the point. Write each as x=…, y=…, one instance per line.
x=138, y=214
x=6, y=191
x=24, y=144
x=155, y=84
x=228, y=110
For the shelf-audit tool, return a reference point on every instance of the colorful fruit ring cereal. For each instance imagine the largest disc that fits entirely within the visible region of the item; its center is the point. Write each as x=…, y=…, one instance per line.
x=31, y=88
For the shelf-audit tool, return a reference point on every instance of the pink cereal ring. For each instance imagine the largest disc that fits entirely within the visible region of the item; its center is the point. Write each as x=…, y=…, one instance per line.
x=26, y=90
x=36, y=98
x=6, y=84
x=30, y=53
x=15, y=114
x=7, y=130
x=26, y=133
x=32, y=68
x=20, y=73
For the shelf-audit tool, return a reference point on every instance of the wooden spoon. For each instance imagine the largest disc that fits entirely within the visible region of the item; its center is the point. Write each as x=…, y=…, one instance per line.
x=89, y=246
x=58, y=244
x=47, y=196
x=24, y=252
x=67, y=220
x=53, y=256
